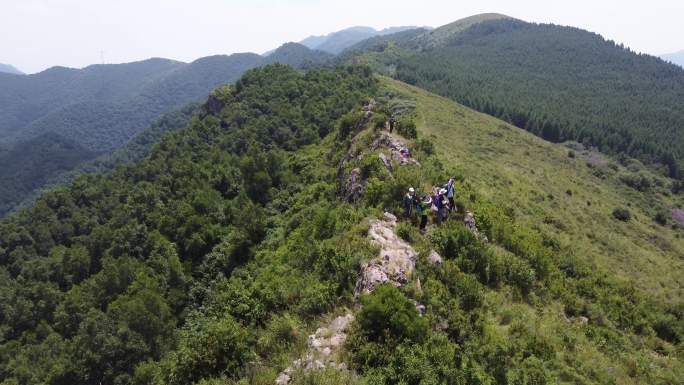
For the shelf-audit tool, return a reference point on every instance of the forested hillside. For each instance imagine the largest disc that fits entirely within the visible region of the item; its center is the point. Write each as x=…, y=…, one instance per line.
x=30, y=164
x=49, y=160
x=96, y=110
x=298, y=56
x=560, y=83
x=133, y=271
x=211, y=260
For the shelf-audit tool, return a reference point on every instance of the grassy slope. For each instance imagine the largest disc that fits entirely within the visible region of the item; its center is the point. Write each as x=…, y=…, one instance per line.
x=532, y=177
x=442, y=34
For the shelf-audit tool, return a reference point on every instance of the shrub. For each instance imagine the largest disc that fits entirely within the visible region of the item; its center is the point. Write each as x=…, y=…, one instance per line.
x=406, y=231
x=520, y=274
x=407, y=129
x=379, y=120
x=376, y=192
x=370, y=165
x=316, y=298
x=531, y=372
x=281, y=333
x=349, y=122
x=622, y=214
x=209, y=349
x=571, y=154
x=425, y=146
x=388, y=314
x=661, y=218
x=451, y=238
x=637, y=181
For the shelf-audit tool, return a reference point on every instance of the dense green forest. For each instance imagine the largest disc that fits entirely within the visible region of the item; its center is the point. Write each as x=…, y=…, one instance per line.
x=34, y=162
x=561, y=83
x=50, y=160
x=208, y=261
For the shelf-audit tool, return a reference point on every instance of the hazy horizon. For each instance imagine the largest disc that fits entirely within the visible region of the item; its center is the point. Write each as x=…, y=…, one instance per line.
x=38, y=34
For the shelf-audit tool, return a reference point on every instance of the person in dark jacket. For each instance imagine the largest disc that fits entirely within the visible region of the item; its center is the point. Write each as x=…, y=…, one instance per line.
x=409, y=203
x=450, y=188
x=392, y=122
x=438, y=201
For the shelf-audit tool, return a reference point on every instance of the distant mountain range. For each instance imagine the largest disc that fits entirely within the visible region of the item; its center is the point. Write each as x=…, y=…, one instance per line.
x=63, y=117
x=336, y=42
x=9, y=69
x=493, y=63
x=676, y=58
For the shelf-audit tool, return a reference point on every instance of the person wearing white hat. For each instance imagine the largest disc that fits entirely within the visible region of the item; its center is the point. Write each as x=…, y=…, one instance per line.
x=438, y=201
x=409, y=202
x=451, y=191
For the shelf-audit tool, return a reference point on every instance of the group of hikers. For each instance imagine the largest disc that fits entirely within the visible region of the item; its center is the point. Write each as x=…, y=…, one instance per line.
x=441, y=202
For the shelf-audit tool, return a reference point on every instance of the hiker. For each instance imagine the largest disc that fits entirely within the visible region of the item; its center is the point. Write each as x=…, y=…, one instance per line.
x=450, y=192
x=409, y=202
x=423, y=208
x=392, y=122
x=438, y=204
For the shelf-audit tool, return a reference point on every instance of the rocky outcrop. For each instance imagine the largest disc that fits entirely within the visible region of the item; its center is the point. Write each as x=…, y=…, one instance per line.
x=322, y=349
x=385, y=161
x=213, y=105
x=354, y=186
x=434, y=258
x=395, y=146
x=395, y=263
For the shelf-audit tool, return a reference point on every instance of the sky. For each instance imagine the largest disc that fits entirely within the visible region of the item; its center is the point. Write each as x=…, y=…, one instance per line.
x=38, y=34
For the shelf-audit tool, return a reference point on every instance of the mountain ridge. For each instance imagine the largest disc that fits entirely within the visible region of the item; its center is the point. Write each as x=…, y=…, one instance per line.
x=100, y=108
x=215, y=257
x=10, y=69
x=338, y=41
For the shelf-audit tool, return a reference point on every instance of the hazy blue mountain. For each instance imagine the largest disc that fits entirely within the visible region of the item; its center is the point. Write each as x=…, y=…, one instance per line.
x=102, y=106
x=676, y=58
x=337, y=42
x=9, y=69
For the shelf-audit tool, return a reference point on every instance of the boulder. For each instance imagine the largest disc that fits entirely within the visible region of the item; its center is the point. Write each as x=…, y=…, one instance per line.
x=386, y=162
x=395, y=263
x=322, y=346
x=435, y=259
x=283, y=379
x=354, y=187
